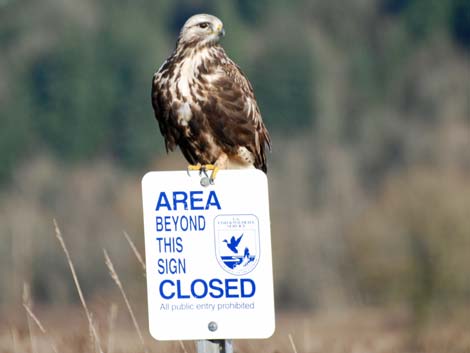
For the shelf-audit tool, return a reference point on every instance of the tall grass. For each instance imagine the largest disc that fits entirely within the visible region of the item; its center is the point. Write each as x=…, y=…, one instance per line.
x=27, y=305
x=91, y=325
x=136, y=252
x=291, y=340
x=113, y=311
x=116, y=280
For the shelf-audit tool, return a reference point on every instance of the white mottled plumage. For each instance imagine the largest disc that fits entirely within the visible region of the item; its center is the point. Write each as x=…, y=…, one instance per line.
x=205, y=105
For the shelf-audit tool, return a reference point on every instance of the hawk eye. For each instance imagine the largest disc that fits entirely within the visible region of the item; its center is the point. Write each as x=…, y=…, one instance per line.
x=203, y=25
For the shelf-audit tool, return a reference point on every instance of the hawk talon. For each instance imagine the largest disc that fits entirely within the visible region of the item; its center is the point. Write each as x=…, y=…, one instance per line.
x=213, y=175
x=194, y=167
x=203, y=168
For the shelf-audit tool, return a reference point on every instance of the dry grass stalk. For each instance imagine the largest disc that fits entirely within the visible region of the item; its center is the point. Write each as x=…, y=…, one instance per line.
x=116, y=279
x=27, y=304
x=14, y=339
x=183, y=347
x=94, y=344
x=136, y=252
x=91, y=325
x=111, y=325
x=292, y=343
x=35, y=319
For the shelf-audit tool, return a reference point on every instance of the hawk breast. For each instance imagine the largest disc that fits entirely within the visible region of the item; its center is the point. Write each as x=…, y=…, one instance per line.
x=206, y=106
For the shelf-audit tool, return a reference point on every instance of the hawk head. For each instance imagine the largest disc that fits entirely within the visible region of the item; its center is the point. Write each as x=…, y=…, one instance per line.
x=202, y=30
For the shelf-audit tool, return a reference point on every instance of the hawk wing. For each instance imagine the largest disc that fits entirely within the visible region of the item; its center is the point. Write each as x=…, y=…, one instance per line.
x=167, y=105
x=234, y=115
x=161, y=103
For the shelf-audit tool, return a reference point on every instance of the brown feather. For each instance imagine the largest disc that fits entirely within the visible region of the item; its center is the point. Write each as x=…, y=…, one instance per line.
x=205, y=105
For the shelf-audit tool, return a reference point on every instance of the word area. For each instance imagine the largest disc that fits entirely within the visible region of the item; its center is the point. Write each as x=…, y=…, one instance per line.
x=192, y=200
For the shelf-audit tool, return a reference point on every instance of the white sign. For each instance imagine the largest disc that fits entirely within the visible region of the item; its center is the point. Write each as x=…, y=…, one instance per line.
x=208, y=253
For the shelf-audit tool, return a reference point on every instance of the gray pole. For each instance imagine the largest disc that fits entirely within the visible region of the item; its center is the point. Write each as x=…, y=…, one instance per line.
x=214, y=346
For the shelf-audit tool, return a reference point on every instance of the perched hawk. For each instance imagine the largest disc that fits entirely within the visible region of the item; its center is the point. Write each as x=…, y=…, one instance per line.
x=204, y=103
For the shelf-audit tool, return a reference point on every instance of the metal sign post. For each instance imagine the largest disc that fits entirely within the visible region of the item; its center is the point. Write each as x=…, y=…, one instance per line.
x=208, y=253
x=215, y=346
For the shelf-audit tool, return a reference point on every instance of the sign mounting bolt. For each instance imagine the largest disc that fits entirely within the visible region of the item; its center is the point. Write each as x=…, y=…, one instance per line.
x=205, y=181
x=212, y=326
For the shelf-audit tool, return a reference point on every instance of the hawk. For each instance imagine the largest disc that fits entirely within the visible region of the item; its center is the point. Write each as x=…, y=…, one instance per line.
x=205, y=105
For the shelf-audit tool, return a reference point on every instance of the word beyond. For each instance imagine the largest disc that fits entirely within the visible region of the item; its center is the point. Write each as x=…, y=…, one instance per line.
x=214, y=288
x=180, y=223
x=193, y=200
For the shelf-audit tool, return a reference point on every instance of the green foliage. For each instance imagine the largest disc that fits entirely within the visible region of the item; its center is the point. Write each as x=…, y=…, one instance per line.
x=14, y=136
x=132, y=132
x=423, y=17
x=393, y=6
x=89, y=95
x=460, y=22
x=283, y=83
x=68, y=92
x=252, y=12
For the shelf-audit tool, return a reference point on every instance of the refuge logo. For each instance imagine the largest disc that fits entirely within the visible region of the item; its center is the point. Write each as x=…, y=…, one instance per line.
x=237, y=243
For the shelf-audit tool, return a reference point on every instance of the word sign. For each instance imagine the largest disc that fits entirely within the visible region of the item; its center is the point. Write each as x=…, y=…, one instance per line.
x=208, y=254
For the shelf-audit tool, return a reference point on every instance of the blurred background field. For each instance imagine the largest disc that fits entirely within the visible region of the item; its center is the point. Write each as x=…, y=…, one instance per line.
x=368, y=105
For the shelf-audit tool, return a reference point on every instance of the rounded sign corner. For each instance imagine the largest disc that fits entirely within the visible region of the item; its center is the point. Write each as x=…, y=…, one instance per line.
x=259, y=173
x=270, y=332
x=155, y=333
x=147, y=176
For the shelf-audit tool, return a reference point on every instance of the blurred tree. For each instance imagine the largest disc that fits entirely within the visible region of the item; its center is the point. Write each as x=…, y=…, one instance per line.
x=252, y=12
x=239, y=37
x=460, y=22
x=15, y=132
x=132, y=132
x=67, y=93
x=283, y=81
x=393, y=7
x=423, y=17
x=90, y=94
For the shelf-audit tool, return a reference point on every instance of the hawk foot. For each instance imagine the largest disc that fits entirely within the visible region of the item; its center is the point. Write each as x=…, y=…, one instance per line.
x=203, y=168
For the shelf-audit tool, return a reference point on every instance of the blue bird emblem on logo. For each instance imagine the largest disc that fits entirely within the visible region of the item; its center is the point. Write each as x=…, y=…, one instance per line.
x=233, y=244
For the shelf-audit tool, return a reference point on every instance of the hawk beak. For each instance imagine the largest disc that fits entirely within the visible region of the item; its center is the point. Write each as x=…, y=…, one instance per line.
x=221, y=31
